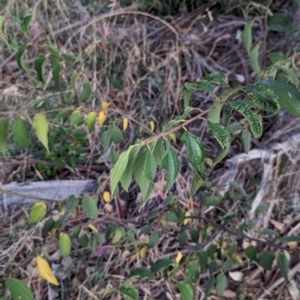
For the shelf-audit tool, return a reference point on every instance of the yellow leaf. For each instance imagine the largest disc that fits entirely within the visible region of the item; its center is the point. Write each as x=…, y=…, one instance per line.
x=105, y=105
x=152, y=125
x=106, y=196
x=93, y=228
x=178, y=257
x=101, y=118
x=45, y=271
x=117, y=237
x=53, y=231
x=186, y=220
x=37, y=212
x=143, y=252
x=125, y=123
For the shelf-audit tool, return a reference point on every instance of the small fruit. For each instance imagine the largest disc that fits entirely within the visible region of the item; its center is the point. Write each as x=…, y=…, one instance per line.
x=106, y=196
x=93, y=228
x=178, y=257
x=102, y=118
x=187, y=219
x=152, y=125
x=105, y=105
x=143, y=252
x=125, y=123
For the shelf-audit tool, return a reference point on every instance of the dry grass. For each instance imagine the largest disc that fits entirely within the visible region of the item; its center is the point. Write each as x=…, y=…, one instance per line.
x=137, y=62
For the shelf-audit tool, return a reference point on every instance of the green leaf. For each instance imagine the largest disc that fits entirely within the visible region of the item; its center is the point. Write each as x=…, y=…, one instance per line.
x=76, y=232
x=251, y=253
x=39, y=66
x=146, y=186
x=195, y=234
x=276, y=57
x=117, y=236
x=158, y=150
x=41, y=127
x=172, y=216
x=196, y=183
x=86, y=92
x=226, y=115
x=37, y=212
x=247, y=35
x=69, y=59
x=186, y=96
x=229, y=264
x=218, y=79
x=129, y=292
x=145, y=229
x=253, y=59
x=192, y=273
x=283, y=265
x=292, y=75
x=246, y=140
x=195, y=150
x=64, y=244
x=182, y=238
x=20, y=133
x=214, y=114
x=288, y=95
x=4, y=124
x=127, y=175
x=223, y=137
x=287, y=239
x=243, y=107
x=203, y=260
x=89, y=206
x=2, y=25
x=55, y=65
x=91, y=121
x=116, y=134
x=160, y=264
x=26, y=23
x=209, y=286
x=263, y=97
x=202, y=85
x=212, y=200
x=18, y=289
x=74, y=79
x=171, y=165
x=186, y=291
x=221, y=284
x=266, y=260
x=20, y=58
x=71, y=204
x=75, y=118
x=142, y=272
x=178, y=119
x=278, y=22
x=48, y=225
x=83, y=240
x=212, y=267
x=150, y=166
x=118, y=170
x=153, y=239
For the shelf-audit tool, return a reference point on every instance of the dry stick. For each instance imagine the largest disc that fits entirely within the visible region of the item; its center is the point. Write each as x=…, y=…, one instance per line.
x=72, y=26
x=242, y=236
x=291, y=274
x=2, y=191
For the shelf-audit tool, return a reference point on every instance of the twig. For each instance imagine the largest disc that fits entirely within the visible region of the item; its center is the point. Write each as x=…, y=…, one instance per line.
x=291, y=274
